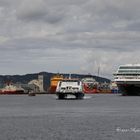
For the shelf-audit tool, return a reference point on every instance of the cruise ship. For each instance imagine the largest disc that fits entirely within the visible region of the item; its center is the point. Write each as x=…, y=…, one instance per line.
x=127, y=78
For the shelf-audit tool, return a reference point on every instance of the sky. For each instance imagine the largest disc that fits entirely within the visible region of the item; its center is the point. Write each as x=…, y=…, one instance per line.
x=68, y=36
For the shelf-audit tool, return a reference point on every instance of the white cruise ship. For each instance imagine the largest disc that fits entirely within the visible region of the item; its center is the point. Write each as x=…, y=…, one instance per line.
x=127, y=78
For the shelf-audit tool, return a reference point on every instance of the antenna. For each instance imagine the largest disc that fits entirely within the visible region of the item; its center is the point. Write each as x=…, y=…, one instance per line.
x=98, y=70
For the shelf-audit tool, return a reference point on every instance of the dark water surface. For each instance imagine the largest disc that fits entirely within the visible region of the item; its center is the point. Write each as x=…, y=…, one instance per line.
x=43, y=117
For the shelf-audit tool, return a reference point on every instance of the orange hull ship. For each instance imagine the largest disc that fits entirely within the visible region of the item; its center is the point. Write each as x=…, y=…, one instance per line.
x=54, y=81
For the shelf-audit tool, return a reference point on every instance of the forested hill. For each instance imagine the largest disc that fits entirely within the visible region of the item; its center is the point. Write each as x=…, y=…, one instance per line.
x=28, y=77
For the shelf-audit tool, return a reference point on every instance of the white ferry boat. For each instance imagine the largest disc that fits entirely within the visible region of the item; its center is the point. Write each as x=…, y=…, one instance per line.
x=69, y=87
x=127, y=78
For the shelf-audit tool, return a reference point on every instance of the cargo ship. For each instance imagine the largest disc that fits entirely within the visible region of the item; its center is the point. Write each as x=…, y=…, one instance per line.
x=11, y=89
x=127, y=79
x=89, y=85
x=53, y=83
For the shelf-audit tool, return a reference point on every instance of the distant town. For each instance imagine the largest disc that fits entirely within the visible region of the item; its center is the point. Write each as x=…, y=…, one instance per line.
x=46, y=83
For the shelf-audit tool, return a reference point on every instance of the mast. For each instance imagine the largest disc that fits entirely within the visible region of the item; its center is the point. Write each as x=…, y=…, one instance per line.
x=98, y=70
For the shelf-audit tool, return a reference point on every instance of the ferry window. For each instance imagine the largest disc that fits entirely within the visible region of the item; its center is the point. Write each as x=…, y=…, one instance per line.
x=78, y=82
x=130, y=67
x=60, y=84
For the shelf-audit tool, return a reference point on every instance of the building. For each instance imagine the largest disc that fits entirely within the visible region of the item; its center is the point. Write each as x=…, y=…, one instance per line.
x=37, y=84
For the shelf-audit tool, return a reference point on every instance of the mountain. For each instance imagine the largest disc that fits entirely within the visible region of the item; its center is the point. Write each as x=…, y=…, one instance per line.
x=28, y=77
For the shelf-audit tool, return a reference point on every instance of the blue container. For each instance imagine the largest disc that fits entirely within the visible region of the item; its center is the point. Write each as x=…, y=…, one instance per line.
x=114, y=91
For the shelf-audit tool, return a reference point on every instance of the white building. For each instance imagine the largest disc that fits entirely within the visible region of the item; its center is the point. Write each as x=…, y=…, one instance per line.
x=38, y=83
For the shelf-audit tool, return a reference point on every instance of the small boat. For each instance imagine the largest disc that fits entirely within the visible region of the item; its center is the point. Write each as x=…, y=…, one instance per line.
x=31, y=94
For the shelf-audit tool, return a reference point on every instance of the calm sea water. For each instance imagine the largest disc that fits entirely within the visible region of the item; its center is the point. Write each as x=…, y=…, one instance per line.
x=97, y=117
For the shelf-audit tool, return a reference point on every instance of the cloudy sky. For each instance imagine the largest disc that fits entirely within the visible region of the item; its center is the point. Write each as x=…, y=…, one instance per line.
x=70, y=36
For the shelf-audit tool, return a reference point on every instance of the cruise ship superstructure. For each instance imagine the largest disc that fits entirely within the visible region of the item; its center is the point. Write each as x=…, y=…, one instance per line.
x=127, y=78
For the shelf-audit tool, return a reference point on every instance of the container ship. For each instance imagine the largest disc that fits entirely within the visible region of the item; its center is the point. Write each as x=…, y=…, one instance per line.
x=127, y=79
x=89, y=85
x=11, y=89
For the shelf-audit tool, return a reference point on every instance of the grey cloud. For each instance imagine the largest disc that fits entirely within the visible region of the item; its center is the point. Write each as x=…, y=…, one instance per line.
x=31, y=10
x=109, y=61
x=5, y=3
x=53, y=34
x=117, y=9
x=134, y=26
x=40, y=11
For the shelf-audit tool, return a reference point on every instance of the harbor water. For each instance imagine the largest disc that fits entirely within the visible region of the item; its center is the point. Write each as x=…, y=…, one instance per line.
x=96, y=117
